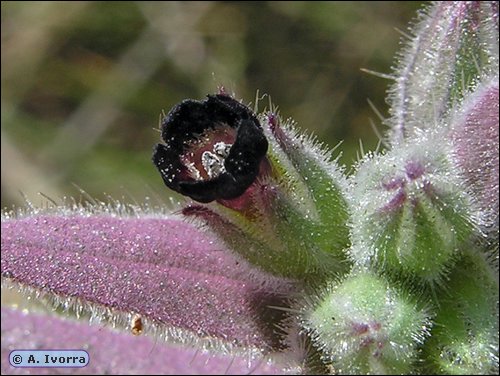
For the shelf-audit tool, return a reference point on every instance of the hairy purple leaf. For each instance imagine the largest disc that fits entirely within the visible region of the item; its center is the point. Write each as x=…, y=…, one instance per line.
x=111, y=352
x=183, y=283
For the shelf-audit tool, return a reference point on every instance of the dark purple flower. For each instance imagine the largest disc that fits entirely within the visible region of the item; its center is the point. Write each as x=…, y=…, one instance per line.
x=213, y=148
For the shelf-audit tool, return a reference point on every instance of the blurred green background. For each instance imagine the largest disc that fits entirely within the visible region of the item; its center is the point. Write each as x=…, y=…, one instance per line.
x=84, y=83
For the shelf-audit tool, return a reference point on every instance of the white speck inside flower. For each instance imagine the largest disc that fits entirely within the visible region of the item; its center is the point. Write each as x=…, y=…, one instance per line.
x=205, y=158
x=222, y=149
x=213, y=164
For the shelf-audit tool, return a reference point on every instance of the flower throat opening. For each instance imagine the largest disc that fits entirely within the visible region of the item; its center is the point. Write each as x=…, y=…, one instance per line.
x=204, y=156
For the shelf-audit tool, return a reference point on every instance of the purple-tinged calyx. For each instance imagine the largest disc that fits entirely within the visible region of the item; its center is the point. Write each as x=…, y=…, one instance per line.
x=365, y=327
x=410, y=210
x=402, y=186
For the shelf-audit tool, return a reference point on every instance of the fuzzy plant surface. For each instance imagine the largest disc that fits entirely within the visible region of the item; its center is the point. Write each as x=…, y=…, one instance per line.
x=279, y=259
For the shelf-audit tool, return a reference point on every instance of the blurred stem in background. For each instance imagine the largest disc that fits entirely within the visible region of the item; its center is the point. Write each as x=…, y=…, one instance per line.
x=84, y=83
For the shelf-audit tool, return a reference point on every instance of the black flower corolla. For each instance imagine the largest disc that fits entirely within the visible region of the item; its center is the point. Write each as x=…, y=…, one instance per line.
x=213, y=148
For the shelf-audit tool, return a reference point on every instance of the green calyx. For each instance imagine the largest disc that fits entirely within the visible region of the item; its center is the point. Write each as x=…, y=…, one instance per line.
x=366, y=327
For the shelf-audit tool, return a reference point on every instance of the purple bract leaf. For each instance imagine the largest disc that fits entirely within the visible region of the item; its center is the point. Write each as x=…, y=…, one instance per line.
x=111, y=352
x=184, y=285
x=475, y=133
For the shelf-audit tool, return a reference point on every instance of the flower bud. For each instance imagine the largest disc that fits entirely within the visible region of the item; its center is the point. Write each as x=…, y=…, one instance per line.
x=410, y=211
x=454, y=44
x=365, y=327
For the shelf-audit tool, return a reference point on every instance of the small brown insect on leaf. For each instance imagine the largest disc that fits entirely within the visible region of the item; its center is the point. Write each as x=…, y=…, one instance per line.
x=136, y=325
